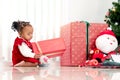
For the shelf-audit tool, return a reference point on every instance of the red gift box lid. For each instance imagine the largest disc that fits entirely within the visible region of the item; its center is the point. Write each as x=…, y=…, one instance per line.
x=50, y=46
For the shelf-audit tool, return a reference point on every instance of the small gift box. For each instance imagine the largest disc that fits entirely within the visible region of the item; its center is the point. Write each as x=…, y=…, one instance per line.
x=51, y=47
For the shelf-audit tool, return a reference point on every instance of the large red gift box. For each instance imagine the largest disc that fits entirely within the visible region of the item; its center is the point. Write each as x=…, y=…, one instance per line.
x=74, y=35
x=51, y=47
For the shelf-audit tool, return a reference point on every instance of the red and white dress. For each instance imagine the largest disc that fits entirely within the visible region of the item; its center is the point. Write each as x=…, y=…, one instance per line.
x=22, y=51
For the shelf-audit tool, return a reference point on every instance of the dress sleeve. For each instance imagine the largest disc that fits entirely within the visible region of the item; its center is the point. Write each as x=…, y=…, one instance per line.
x=25, y=50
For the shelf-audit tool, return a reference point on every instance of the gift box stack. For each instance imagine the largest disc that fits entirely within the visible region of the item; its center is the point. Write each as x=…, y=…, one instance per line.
x=74, y=35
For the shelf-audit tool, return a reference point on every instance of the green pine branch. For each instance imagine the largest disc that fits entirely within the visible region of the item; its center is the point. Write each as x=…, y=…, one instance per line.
x=113, y=18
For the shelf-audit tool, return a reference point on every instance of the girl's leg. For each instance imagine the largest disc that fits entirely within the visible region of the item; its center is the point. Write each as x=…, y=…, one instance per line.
x=26, y=64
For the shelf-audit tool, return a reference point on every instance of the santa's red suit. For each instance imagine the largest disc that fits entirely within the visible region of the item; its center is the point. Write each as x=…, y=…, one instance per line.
x=16, y=54
x=100, y=56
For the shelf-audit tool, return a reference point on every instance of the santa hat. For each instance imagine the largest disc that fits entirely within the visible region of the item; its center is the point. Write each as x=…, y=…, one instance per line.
x=108, y=31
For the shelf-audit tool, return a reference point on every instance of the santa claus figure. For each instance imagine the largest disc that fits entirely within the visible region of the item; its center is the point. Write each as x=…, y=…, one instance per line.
x=106, y=43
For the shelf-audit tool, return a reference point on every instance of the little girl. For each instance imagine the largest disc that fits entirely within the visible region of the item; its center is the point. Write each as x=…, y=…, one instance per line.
x=22, y=53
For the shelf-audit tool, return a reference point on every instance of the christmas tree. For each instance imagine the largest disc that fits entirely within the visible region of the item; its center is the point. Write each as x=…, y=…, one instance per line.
x=112, y=18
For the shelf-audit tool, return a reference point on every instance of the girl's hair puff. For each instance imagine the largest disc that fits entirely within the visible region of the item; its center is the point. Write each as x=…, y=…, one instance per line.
x=19, y=25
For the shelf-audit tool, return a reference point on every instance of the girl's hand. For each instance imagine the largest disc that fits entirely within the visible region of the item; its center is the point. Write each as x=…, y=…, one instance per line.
x=37, y=56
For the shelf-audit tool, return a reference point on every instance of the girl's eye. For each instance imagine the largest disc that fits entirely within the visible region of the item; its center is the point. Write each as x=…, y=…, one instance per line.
x=29, y=33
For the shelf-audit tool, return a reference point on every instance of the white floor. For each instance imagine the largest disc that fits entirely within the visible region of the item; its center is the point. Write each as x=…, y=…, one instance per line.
x=57, y=73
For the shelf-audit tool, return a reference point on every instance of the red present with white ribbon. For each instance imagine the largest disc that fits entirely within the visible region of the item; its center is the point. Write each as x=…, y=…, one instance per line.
x=51, y=47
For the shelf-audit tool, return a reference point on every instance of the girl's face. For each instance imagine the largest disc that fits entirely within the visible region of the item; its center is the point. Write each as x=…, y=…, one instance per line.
x=27, y=33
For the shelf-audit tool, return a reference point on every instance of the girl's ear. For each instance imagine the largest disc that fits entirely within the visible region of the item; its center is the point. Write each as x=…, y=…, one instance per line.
x=20, y=34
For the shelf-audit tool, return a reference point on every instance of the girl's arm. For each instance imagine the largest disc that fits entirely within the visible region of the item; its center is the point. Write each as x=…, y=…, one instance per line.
x=25, y=50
